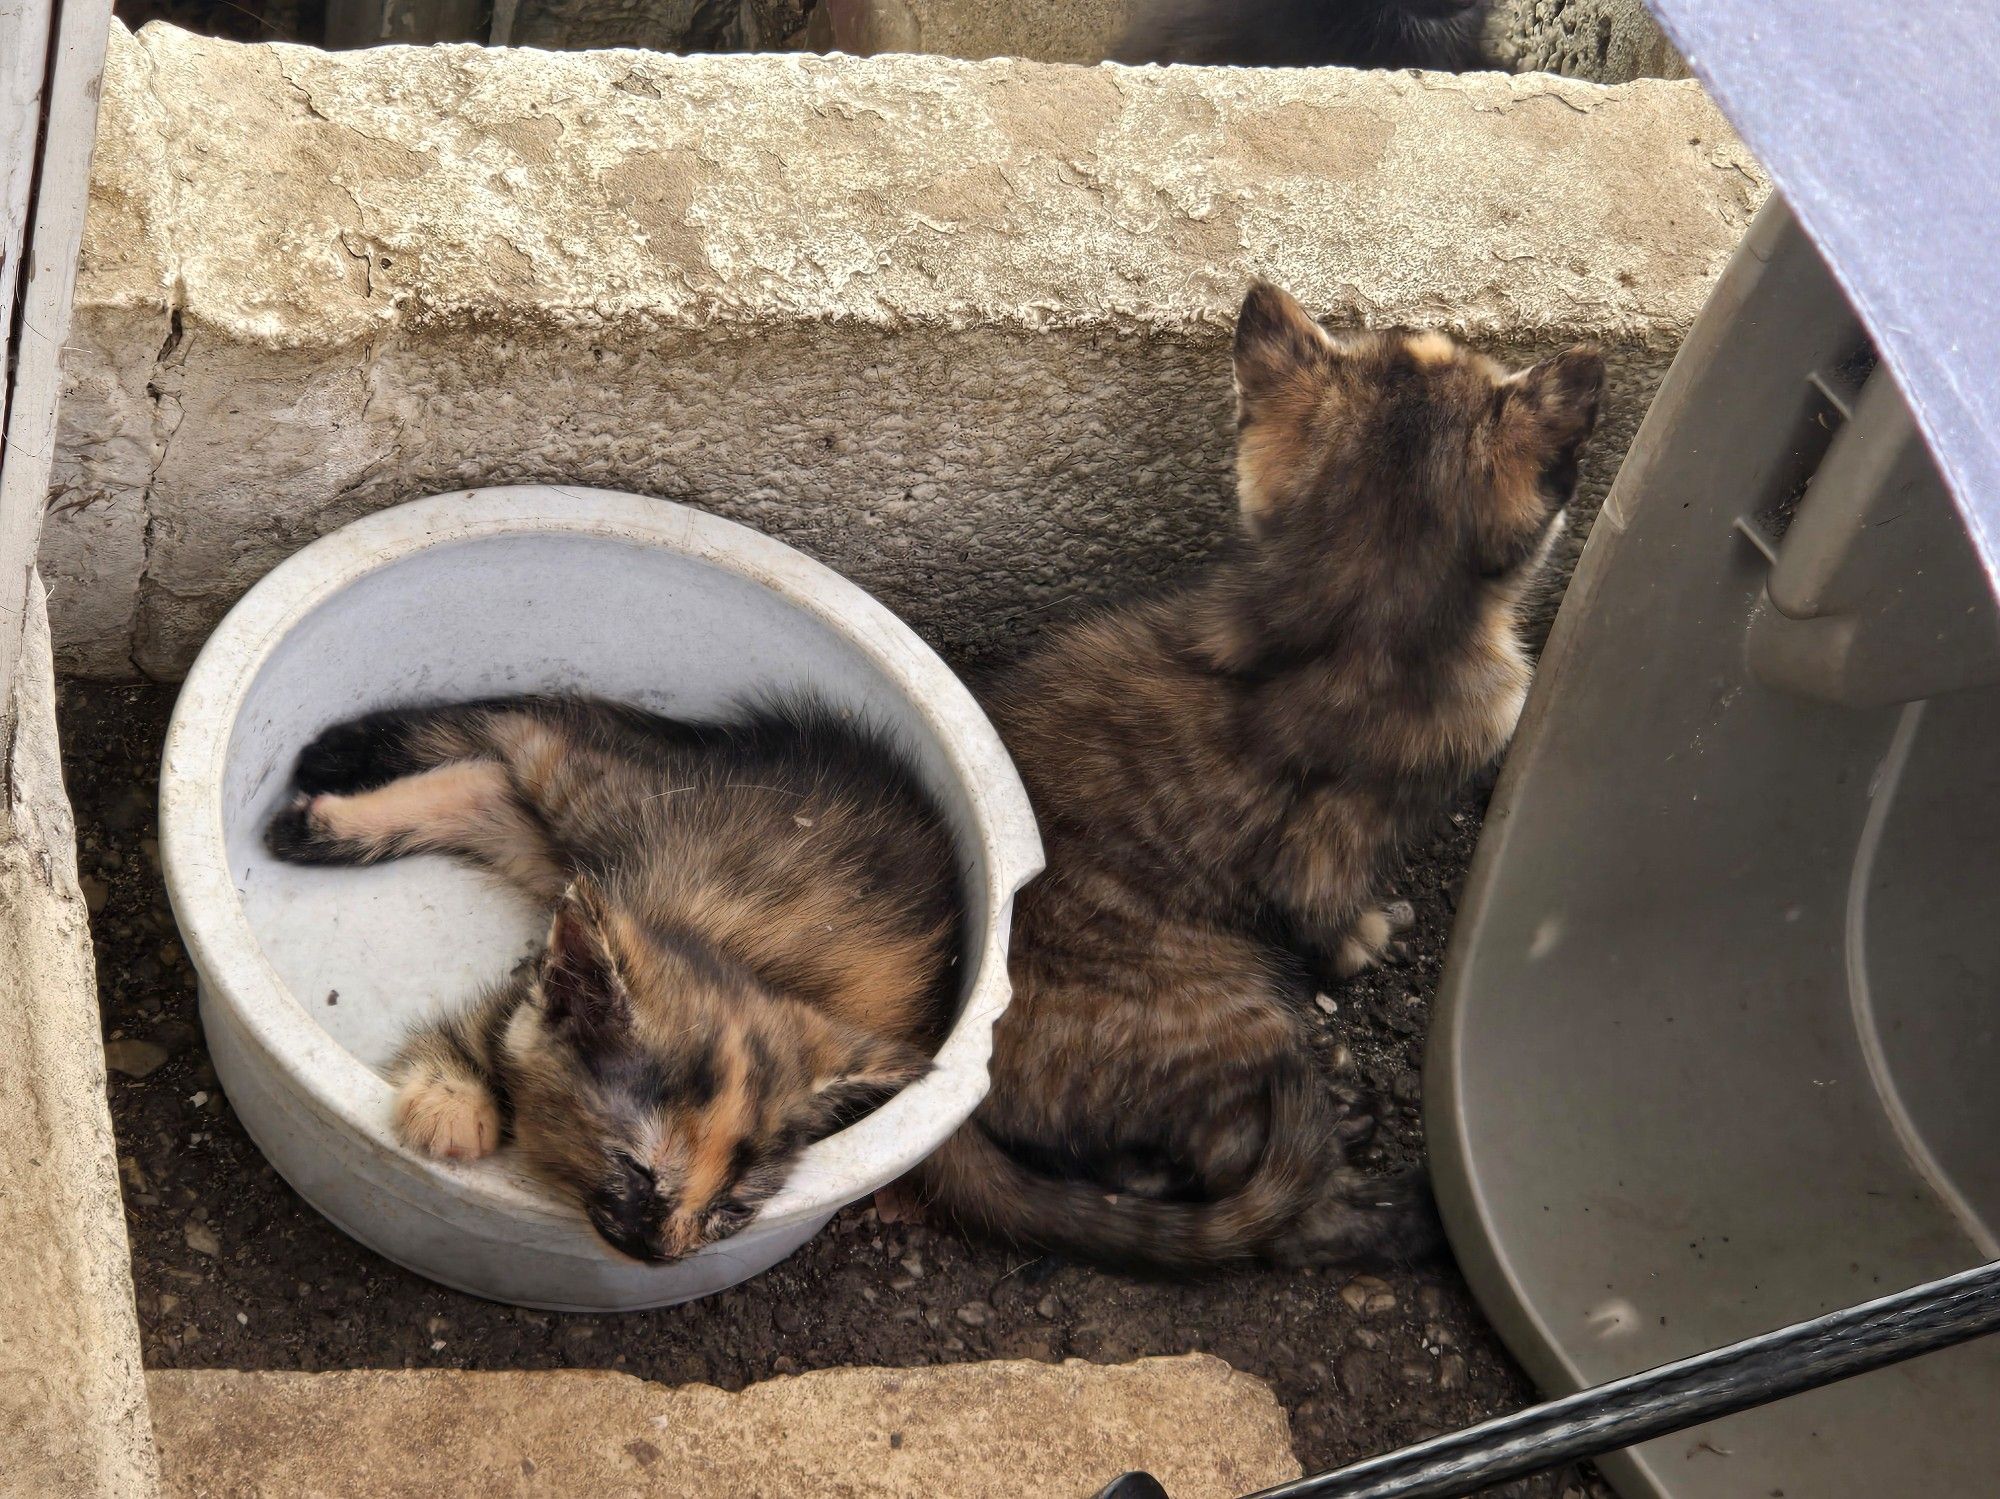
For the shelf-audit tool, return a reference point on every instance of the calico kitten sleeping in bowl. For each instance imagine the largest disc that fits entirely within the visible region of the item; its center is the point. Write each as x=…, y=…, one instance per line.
x=754, y=930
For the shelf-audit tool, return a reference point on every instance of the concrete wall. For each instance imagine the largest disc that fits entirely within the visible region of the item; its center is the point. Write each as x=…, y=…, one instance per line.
x=73, y=1413
x=959, y=330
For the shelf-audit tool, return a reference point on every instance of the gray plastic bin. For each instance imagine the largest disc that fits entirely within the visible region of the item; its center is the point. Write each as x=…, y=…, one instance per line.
x=1717, y=1040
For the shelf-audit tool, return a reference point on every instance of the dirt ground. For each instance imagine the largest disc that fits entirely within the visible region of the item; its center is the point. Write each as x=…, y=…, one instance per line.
x=235, y=1271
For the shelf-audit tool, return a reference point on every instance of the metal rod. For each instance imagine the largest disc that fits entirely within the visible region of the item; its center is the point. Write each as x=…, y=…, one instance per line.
x=1675, y=1396
x=1671, y=1398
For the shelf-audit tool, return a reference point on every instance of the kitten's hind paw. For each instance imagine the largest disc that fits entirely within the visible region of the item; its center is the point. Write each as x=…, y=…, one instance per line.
x=297, y=836
x=447, y=1119
x=358, y=755
x=1354, y=1114
x=1373, y=941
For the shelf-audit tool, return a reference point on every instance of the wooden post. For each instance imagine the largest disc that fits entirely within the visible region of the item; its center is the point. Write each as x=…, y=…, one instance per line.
x=51, y=70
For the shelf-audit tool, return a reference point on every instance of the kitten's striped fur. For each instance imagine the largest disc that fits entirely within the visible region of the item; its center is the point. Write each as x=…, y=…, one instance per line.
x=1221, y=773
x=754, y=940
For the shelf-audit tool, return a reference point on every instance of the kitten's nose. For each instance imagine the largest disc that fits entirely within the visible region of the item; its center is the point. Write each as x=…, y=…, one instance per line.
x=648, y=1249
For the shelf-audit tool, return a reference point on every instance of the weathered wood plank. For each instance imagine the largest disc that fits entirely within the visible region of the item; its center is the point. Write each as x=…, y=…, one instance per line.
x=47, y=126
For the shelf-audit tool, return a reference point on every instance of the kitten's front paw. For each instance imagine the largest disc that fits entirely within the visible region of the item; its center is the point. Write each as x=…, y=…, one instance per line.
x=1354, y=1114
x=1373, y=941
x=447, y=1119
x=298, y=836
x=327, y=829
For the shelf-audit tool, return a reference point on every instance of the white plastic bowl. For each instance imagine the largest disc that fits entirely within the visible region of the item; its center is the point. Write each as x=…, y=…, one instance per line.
x=310, y=977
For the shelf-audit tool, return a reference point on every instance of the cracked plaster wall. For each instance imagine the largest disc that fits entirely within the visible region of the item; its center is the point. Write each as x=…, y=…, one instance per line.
x=958, y=329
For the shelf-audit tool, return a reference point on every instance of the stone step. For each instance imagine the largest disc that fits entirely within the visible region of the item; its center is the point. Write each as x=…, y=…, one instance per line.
x=72, y=1399
x=969, y=1431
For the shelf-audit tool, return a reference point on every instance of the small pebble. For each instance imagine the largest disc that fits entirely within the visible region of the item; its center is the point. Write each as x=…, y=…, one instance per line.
x=201, y=1238
x=913, y=1265
x=975, y=1314
x=1049, y=1308
x=95, y=893
x=1327, y=1003
x=1367, y=1295
x=242, y=1319
x=135, y=1059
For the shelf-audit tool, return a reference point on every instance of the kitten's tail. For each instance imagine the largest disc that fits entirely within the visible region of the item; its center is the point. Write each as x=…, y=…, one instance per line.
x=1300, y=1207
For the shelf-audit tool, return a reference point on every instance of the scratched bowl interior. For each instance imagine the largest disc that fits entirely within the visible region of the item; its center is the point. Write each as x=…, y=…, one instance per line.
x=311, y=976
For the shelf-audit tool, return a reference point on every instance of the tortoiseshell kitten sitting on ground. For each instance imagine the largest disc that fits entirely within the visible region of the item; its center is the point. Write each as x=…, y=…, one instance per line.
x=1221, y=773
x=755, y=928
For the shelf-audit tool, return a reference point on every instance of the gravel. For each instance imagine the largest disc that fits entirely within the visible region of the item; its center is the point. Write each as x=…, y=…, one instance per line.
x=235, y=1271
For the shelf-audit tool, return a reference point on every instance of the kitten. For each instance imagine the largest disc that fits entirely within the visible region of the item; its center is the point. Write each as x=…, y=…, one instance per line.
x=1222, y=772
x=1444, y=35
x=755, y=929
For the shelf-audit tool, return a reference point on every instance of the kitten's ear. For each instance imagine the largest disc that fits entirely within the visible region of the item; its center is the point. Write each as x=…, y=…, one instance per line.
x=582, y=994
x=1547, y=411
x=872, y=1072
x=1561, y=395
x=1275, y=339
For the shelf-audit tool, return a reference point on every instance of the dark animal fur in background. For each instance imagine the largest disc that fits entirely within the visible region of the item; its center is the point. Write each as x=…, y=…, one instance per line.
x=1443, y=35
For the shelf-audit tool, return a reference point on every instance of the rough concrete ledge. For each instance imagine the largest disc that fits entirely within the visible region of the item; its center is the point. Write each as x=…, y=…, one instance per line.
x=970, y=1431
x=73, y=1417
x=958, y=329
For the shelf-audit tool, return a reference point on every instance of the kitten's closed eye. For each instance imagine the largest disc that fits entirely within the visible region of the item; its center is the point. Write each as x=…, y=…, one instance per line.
x=730, y=1218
